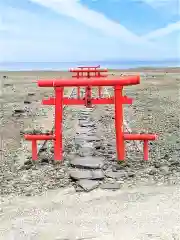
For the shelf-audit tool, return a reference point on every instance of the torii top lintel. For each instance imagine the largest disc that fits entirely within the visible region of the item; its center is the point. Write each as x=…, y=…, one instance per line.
x=124, y=81
x=87, y=69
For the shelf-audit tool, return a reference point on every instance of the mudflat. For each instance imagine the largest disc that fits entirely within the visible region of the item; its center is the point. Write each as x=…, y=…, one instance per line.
x=155, y=110
x=58, y=212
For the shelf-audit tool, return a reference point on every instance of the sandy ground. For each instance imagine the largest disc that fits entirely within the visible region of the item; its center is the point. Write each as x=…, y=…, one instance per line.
x=149, y=212
x=146, y=213
x=16, y=89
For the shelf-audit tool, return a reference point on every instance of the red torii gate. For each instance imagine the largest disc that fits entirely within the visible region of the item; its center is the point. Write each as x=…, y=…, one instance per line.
x=89, y=72
x=118, y=100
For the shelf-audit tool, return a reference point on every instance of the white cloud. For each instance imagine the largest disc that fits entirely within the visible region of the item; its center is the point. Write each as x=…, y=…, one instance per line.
x=4, y=27
x=165, y=6
x=168, y=38
x=41, y=38
x=162, y=32
x=74, y=9
x=36, y=37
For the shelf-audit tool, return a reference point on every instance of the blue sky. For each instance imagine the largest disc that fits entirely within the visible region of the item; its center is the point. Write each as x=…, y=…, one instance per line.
x=75, y=30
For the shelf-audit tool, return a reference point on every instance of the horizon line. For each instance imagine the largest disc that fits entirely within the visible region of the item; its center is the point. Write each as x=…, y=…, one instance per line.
x=95, y=61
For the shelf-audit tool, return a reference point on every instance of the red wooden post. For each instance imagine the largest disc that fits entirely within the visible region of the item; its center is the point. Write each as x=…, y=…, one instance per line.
x=100, y=92
x=78, y=88
x=99, y=88
x=33, y=139
x=78, y=93
x=58, y=123
x=142, y=137
x=119, y=123
x=88, y=91
x=146, y=151
x=34, y=150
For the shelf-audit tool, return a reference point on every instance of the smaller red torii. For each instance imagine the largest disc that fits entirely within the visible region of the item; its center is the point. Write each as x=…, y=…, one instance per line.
x=88, y=72
x=118, y=100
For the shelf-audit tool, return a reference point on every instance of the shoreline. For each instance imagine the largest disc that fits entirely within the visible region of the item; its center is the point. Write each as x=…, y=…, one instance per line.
x=169, y=69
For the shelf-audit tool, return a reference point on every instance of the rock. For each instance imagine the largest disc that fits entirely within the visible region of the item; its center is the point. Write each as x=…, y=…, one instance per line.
x=31, y=94
x=28, y=194
x=116, y=175
x=105, y=167
x=44, y=157
x=164, y=170
x=18, y=111
x=166, y=156
x=86, y=138
x=112, y=186
x=84, y=123
x=114, y=169
x=157, y=165
x=88, y=162
x=8, y=84
x=28, y=191
x=131, y=174
x=110, y=151
x=88, y=185
x=86, y=111
x=8, y=177
x=44, y=161
x=81, y=131
x=85, y=151
x=151, y=170
x=79, y=141
x=84, y=117
x=111, y=158
x=28, y=162
x=79, y=189
x=121, y=165
x=98, y=147
x=97, y=175
x=27, y=102
x=78, y=174
x=52, y=149
x=42, y=149
x=175, y=163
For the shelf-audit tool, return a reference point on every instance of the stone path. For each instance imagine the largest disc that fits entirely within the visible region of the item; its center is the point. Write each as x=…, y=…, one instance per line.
x=87, y=169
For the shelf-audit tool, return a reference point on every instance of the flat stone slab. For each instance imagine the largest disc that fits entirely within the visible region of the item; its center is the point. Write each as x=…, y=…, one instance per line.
x=79, y=141
x=78, y=174
x=79, y=189
x=84, y=117
x=82, y=139
x=88, y=162
x=88, y=144
x=88, y=185
x=85, y=123
x=86, y=151
x=86, y=111
x=116, y=175
x=87, y=138
x=83, y=131
x=111, y=186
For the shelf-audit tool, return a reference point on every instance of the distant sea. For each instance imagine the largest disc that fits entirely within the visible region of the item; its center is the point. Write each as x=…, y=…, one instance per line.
x=28, y=66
